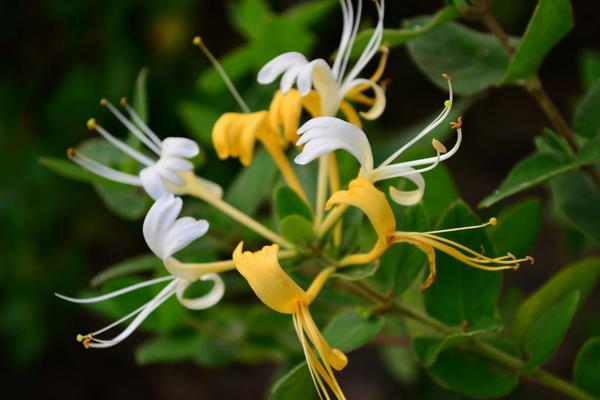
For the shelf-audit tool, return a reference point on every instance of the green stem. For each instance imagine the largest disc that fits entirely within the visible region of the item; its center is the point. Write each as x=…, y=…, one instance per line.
x=516, y=364
x=536, y=89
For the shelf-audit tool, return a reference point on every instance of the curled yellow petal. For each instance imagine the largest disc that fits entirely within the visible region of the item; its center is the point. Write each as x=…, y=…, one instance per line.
x=350, y=113
x=235, y=134
x=364, y=195
x=268, y=280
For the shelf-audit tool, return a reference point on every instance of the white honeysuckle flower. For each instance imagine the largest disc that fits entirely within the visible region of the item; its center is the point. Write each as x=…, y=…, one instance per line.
x=323, y=135
x=165, y=235
x=160, y=176
x=332, y=83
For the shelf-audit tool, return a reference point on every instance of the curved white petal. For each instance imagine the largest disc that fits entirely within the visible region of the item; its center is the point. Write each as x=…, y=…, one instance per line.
x=380, y=101
x=152, y=183
x=184, y=231
x=324, y=134
x=408, y=197
x=326, y=85
x=288, y=78
x=271, y=70
x=179, y=147
x=206, y=301
x=160, y=218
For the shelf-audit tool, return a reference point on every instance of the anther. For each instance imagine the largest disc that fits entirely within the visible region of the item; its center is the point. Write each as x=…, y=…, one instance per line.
x=91, y=124
x=384, y=48
x=71, y=152
x=457, y=124
x=446, y=77
x=124, y=101
x=385, y=83
x=438, y=146
x=530, y=259
x=197, y=41
x=104, y=101
x=493, y=221
x=448, y=103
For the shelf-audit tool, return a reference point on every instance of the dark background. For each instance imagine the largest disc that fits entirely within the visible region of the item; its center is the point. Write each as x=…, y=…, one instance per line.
x=61, y=57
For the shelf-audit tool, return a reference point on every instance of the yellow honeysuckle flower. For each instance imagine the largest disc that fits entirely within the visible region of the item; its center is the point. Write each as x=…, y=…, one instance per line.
x=278, y=291
x=364, y=195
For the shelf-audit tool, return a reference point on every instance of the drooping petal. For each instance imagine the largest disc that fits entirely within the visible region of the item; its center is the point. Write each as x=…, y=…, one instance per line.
x=179, y=147
x=160, y=218
x=271, y=70
x=183, y=231
x=268, y=280
x=206, y=301
x=402, y=197
x=324, y=134
x=152, y=183
x=234, y=134
x=326, y=86
x=379, y=102
x=362, y=194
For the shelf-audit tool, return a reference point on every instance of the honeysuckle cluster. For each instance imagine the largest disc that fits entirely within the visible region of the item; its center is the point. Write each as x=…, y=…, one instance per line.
x=324, y=91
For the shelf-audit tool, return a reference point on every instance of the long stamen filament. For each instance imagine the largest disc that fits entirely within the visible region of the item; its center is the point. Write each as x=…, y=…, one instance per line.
x=138, y=120
x=102, y=170
x=492, y=221
x=217, y=66
x=92, y=125
x=132, y=128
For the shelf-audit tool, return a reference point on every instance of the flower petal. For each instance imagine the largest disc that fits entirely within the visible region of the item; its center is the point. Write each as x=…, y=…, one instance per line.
x=380, y=101
x=152, y=183
x=160, y=218
x=271, y=70
x=206, y=301
x=179, y=147
x=327, y=134
x=268, y=280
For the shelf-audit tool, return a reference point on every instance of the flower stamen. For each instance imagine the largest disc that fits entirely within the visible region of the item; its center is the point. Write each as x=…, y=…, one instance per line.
x=221, y=71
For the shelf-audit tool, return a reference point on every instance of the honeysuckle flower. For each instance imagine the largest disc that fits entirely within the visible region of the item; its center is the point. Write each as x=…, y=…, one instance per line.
x=165, y=235
x=333, y=83
x=279, y=292
x=363, y=195
x=323, y=135
x=168, y=171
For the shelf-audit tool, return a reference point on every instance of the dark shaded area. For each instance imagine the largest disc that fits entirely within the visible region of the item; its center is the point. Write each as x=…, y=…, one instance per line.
x=60, y=57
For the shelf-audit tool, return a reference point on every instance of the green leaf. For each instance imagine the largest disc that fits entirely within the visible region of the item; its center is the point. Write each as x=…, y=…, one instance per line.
x=586, y=371
x=577, y=198
x=247, y=16
x=358, y=272
x=73, y=171
x=430, y=352
x=296, y=229
x=129, y=202
x=548, y=330
x=397, y=37
x=467, y=373
x=237, y=63
x=540, y=167
x=475, y=60
x=580, y=277
x=146, y=262
x=251, y=185
x=168, y=349
x=140, y=95
x=296, y=384
x=310, y=13
x=589, y=65
x=587, y=117
x=518, y=228
x=287, y=202
x=462, y=294
x=349, y=331
x=551, y=21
